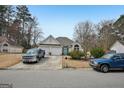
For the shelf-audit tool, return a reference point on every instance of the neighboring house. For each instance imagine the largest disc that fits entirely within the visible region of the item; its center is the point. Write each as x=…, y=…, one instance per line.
x=59, y=46
x=118, y=47
x=9, y=46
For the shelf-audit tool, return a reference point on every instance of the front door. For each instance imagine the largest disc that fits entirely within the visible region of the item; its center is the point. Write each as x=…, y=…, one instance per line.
x=65, y=50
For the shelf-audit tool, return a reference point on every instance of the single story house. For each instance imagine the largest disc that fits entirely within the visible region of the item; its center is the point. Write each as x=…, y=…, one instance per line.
x=65, y=43
x=68, y=45
x=59, y=46
x=118, y=47
x=9, y=46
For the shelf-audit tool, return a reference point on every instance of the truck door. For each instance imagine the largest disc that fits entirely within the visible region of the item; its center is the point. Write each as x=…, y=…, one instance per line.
x=116, y=61
x=122, y=61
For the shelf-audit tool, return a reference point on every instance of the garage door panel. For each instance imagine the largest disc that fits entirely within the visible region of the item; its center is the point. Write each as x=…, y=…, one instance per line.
x=54, y=50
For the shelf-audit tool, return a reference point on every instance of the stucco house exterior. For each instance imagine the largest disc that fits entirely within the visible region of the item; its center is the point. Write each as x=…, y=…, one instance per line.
x=9, y=46
x=118, y=47
x=59, y=46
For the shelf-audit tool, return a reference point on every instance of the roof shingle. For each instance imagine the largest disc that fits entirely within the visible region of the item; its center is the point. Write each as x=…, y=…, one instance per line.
x=64, y=41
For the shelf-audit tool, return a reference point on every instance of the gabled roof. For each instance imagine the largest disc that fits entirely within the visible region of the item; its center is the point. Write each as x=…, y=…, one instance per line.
x=64, y=41
x=122, y=42
x=50, y=40
x=3, y=39
x=9, y=41
x=118, y=42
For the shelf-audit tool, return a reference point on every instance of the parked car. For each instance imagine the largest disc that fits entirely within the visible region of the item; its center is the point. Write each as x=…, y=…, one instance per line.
x=108, y=62
x=33, y=55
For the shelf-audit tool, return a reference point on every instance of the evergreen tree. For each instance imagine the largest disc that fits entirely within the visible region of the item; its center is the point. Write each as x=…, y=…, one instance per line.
x=3, y=10
x=24, y=16
x=10, y=16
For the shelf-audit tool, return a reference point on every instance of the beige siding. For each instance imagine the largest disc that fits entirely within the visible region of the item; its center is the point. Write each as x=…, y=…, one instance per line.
x=15, y=50
x=10, y=49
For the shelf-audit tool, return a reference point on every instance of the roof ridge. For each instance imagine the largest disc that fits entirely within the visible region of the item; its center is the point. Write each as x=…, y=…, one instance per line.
x=49, y=39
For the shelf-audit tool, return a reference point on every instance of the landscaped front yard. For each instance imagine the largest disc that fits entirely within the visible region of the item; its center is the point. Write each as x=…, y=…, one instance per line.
x=71, y=63
x=7, y=60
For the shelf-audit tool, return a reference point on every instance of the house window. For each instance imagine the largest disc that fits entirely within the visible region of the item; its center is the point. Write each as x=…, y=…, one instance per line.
x=5, y=50
x=76, y=47
x=5, y=45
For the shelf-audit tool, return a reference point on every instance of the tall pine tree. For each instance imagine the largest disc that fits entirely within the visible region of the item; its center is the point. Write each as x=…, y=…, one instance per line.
x=3, y=10
x=24, y=16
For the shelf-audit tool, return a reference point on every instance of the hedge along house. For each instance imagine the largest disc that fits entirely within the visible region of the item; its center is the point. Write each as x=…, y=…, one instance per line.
x=9, y=46
x=59, y=46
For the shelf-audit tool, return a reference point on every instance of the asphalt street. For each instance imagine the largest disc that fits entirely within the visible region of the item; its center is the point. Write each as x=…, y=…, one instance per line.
x=67, y=78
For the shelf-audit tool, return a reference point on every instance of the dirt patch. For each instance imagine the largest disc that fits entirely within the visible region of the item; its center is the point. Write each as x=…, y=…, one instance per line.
x=7, y=60
x=70, y=63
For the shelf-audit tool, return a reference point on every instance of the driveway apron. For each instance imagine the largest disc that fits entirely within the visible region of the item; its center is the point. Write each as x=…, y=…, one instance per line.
x=47, y=63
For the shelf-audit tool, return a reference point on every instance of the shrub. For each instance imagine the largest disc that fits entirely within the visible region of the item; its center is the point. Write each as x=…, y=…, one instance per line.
x=24, y=50
x=76, y=54
x=97, y=52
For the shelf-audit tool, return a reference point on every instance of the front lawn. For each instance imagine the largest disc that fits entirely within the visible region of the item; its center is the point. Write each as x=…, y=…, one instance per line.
x=7, y=60
x=71, y=63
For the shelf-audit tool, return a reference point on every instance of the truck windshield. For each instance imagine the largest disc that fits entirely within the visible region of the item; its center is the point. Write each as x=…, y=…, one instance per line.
x=108, y=56
x=32, y=51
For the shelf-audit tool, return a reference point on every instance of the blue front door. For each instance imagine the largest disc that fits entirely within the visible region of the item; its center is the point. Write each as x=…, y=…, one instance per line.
x=65, y=50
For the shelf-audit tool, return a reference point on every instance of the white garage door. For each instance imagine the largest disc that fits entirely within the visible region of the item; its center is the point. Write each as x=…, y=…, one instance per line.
x=54, y=50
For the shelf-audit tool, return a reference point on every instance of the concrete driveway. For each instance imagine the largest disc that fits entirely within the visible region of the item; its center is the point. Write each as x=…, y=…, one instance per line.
x=49, y=62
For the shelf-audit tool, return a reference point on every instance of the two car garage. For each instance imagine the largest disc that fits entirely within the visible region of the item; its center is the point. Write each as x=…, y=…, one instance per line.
x=51, y=46
x=52, y=49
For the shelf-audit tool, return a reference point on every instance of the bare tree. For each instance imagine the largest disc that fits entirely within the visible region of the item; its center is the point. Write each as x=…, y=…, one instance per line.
x=37, y=34
x=84, y=34
x=105, y=30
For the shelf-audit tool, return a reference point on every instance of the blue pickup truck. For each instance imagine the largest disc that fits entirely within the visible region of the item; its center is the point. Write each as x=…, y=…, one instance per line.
x=108, y=62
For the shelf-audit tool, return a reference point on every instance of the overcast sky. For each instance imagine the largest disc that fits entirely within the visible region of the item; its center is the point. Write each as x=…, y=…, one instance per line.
x=61, y=20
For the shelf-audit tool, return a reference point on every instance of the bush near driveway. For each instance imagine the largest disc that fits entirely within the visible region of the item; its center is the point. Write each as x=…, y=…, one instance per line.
x=76, y=54
x=7, y=60
x=97, y=52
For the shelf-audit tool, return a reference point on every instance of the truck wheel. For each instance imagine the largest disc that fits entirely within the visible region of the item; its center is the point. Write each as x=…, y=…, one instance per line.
x=37, y=60
x=104, y=68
